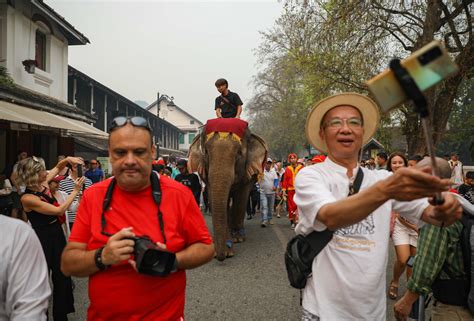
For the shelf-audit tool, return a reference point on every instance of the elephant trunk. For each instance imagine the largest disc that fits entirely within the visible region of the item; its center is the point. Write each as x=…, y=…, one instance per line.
x=219, y=188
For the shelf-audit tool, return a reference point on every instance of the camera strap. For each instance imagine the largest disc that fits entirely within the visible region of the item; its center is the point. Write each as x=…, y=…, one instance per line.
x=155, y=192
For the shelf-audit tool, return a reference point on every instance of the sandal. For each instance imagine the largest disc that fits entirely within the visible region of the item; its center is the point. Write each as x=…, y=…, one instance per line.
x=393, y=291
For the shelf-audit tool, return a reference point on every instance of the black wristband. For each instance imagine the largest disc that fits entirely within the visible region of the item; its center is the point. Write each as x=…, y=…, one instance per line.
x=98, y=259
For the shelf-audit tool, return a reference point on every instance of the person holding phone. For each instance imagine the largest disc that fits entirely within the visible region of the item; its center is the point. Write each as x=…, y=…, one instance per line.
x=43, y=212
x=67, y=186
x=404, y=234
x=348, y=275
x=228, y=104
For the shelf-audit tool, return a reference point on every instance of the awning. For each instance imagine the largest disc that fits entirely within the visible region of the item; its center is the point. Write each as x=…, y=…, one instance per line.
x=20, y=114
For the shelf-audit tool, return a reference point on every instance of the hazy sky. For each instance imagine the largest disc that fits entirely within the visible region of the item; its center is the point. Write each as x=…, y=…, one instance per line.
x=178, y=48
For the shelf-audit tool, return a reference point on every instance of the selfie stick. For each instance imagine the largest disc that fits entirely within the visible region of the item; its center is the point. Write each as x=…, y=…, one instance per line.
x=421, y=107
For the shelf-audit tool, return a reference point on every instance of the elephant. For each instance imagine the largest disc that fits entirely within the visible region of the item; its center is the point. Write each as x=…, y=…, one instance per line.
x=229, y=165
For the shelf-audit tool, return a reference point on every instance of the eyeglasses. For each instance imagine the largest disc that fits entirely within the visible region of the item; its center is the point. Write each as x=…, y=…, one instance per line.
x=136, y=121
x=93, y=163
x=336, y=123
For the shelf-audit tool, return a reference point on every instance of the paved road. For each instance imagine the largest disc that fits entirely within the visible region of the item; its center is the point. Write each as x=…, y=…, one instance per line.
x=250, y=286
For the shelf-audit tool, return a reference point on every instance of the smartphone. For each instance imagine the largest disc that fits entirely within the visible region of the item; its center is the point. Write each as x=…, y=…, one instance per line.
x=427, y=66
x=410, y=261
x=79, y=170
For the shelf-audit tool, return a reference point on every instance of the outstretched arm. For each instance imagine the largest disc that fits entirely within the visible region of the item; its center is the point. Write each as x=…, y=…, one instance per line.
x=405, y=185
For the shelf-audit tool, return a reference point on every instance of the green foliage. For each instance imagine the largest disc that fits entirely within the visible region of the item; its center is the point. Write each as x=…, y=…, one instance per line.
x=460, y=135
x=321, y=47
x=5, y=78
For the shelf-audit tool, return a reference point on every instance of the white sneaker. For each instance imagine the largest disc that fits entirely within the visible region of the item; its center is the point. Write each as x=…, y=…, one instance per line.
x=271, y=222
x=293, y=225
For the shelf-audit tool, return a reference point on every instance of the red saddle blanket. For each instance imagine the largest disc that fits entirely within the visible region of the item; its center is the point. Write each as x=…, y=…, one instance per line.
x=231, y=125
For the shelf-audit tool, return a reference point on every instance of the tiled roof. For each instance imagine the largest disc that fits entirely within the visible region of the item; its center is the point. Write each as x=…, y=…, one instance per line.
x=78, y=38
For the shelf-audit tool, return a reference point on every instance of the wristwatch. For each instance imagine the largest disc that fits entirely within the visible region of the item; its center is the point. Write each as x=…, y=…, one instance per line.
x=98, y=259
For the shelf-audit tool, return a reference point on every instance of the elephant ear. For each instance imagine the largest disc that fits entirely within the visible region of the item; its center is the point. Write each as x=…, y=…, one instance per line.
x=256, y=155
x=196, y=156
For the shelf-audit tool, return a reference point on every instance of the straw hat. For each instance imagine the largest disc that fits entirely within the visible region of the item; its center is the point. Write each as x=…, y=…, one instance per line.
x=366, y=106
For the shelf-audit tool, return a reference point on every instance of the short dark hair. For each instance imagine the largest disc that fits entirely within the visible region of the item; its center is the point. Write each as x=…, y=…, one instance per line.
x=382, y=155
x=182, y=162
x=221, y=81
x=416, y=158
x=470, y=175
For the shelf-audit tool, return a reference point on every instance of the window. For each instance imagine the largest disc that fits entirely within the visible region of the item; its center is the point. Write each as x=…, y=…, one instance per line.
x=181, y=138
x=40, y=50
x=192, y=122
x=191, y=137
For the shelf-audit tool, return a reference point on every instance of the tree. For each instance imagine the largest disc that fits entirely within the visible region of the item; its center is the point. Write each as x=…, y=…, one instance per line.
x=334, y=46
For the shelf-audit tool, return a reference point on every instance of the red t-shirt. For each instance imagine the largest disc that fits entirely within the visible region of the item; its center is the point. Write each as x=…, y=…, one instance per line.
x=120, y=293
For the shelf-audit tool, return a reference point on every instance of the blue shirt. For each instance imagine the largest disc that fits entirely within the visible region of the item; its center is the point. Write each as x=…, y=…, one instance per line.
x=95, y=175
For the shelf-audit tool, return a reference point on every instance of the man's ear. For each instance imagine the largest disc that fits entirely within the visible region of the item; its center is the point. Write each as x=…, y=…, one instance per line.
x=153, y=152
x=321, y=133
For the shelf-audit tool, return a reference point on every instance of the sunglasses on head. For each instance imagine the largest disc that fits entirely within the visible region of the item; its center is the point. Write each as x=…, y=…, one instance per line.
x=135, y=121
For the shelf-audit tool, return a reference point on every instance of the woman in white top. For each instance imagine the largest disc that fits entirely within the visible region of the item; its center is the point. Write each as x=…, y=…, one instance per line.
x=404, y=234
x=62, y=197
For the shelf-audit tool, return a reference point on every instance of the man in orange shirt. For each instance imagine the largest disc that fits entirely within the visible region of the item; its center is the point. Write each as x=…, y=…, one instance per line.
x=288, y=186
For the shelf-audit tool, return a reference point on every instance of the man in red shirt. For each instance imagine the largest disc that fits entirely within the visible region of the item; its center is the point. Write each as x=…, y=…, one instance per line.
x=116, y=290
x=288, y=186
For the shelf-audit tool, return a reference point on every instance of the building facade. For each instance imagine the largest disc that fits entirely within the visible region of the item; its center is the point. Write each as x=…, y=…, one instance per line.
x=34, y=114
x=188, y=124
x=92, y=97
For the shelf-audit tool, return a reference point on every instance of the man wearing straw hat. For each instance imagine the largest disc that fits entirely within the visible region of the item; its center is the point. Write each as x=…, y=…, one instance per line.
x=348, y=275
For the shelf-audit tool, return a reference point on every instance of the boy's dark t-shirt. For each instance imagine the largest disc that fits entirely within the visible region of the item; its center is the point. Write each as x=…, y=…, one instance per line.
x=228, y=110
x=467, y=191
x=191, y=181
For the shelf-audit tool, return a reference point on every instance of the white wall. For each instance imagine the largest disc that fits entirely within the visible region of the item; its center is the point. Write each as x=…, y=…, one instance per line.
x=179, y=119
x=17, y=43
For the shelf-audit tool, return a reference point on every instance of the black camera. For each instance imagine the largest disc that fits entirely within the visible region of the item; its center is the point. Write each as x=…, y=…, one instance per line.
x=151, y=259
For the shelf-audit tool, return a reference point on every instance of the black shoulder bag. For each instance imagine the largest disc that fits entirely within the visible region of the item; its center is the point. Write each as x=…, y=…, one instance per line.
x=301, y=250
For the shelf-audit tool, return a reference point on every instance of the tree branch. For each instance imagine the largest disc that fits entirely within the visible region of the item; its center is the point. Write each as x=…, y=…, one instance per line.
x=451, y=25
x=463, y=6
x=417, y=20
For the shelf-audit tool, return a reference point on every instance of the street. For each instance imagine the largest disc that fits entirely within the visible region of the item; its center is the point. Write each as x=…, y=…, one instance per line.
x=250, y=286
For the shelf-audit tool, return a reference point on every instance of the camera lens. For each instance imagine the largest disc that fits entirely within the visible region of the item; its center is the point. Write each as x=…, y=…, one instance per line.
x=151, y=258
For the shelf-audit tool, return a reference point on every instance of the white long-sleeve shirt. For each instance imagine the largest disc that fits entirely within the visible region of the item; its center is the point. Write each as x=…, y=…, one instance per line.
x=24, y=286
x=348, y=280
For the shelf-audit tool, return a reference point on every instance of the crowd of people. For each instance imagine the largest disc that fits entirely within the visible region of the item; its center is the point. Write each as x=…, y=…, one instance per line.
x=146, y=220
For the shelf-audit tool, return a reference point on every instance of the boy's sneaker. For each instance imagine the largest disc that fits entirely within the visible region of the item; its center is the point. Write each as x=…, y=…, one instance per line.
x=263, y=224
x=271, y=222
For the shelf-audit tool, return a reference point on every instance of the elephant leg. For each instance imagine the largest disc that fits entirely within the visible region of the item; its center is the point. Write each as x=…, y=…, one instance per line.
x=237, y=212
